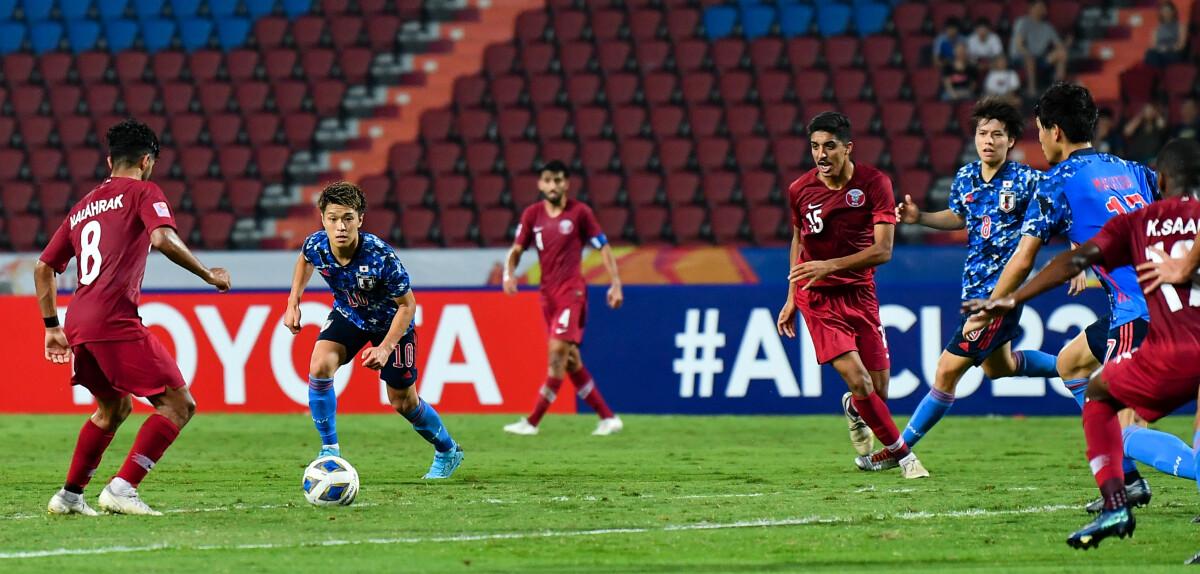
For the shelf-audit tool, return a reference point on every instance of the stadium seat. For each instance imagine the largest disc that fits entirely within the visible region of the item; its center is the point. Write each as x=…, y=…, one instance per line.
x=185, y=9
x=765, y=222
x=614, y=221
x=261, y=128
x=741, y=121
x=886, y=84
x=915, y=183
x=23, y=231
x=64, y=100
x=272, y=162
x=944, y=153
x=878, y=51
x=757, y=21
x=449, y=191
x=716, y=188
x=317, y=63
x=26, y=100
x=658, y=88
x=15, y=197
x=719, y=21
x=45, y=36
x=12, y=35
x=110, y=9
x=575, y=57
x=848, y=85
x=194, y=162
x=455, y=227
x=840, y=52
x=531, y=26
x=244, y=195
x=810, y=85
x=603, y=189
x=185, y=129
x=410, y=191
x=648, y=225
x=697, y=88
x=35, y=132
x=940, y=12
x=294, y=8
x=223, y=130
x=681, y=24
x=926, y=84
x=686, y=224
x=523, y=187
x=869, y=149
x=506, y=90
x=734, y=87
x=535, y=58
x=627, y=122
x=651, y=55
x=935, y=117
x=488, y=191
x=498, y=59
x=204, y=65
x=251, y=97
x=765, y=54
x=481, y=158
x=896, y=117
x=194, y=35
x=795, y=19
x=1179, y=79
x=606, y=25
x=156, y=34
x=130, y=66
x=712, y=153
x=990, y=11
x=289, y=96
x=82, y=35
x=905, y=152
x=215, y=229
x=327, y=97
x=544, y=90
x=415, y=225
x=232, y=32
x=644, y=24
x=614, y=57
x=167, y=66
x=494, y=226
x=871, y=17
x=833, y=19
x=214, y=97
x=690, y=56
x=36, y=10
x=643, y=189
x=725, y=222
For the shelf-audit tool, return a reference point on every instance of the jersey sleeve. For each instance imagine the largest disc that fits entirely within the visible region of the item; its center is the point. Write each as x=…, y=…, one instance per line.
x=59, y=251
x=956, y=197
x=524, y=236
x=1115, y=241
x=589, y=226
x=1048, y=213
x=154, y=209
x=307, y=251
x=1151, y=181
x=395, y=276
x=883, y=201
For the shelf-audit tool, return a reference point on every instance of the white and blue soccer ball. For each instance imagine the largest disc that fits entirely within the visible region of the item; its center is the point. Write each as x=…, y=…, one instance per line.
x=330, y=481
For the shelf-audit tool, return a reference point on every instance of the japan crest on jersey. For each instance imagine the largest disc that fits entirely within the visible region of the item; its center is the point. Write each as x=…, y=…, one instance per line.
x=855, y=198
x=364, y=282
x=1008, y=200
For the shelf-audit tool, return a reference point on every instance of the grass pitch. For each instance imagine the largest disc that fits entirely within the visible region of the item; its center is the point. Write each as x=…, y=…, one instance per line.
x=675, y=494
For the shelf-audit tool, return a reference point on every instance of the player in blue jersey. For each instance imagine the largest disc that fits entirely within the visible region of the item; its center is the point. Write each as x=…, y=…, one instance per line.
x=373, y=302
x=988, y=198
x=1080, y=193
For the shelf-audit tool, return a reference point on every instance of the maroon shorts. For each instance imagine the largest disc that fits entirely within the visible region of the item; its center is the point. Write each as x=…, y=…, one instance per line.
x=844, y=319
x=565, y=314
x=115, y=369
x=1150, y=382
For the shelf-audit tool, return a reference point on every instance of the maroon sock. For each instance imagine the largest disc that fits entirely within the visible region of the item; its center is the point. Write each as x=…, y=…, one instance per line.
x=156, y=434
x=877, y=416
x=1105, y=451
x=92, y=442
x=585, y=387
x=545, y=397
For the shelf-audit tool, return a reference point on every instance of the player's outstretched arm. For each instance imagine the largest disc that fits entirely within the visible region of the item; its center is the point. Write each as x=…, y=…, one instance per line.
x=510, y=267
x=877, y=254
x=615, y=296
x=376, y=357
x=57, y=349
x=944, y=220
x=168, y=242
x=786, y=324
x=1018, y=268
x=300, y=276
x=1058, y=272
x=1169, y=270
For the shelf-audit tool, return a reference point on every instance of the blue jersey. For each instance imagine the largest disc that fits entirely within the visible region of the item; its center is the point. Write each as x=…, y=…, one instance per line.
x=994, y=211
x=365, y=289
x=1077, y=197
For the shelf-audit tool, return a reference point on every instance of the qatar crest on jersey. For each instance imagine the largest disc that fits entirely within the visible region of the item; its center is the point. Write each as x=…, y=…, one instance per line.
x=1008, y=200
x=566, y=226
x=855, y=198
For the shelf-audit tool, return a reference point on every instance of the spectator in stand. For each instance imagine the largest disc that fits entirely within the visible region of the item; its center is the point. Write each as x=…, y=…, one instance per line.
x=944, y=44
x=1002, y=81
x=1108, y=138
x=1035, y=44
x=1170, y=38
x=1188, y=125
x=1145, y=134
x=984, y=45
x=959, y=76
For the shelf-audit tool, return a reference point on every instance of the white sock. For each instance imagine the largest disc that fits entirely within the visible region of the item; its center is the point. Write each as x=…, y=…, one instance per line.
x=69, y=496
x=910, y=456
x=121, y=485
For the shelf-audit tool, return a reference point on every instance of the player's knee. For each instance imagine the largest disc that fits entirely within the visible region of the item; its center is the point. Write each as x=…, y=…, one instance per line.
x=1097, y=389
x=321, y=367
x=404, y=402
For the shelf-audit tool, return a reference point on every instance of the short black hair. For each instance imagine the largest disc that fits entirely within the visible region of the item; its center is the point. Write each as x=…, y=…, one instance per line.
x=342, y=193
x=554, y=166
x=983, y=22
x=130, y=141
x=952, y=23
x=1179, y=163
x=1106, y=112
x=1070, y=107
x=833, y=123
x=999, y=109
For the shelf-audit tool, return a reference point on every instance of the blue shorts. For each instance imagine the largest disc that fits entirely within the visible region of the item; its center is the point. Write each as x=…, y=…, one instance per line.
x=400, y=372
x=1106, y=341
x=980, y=344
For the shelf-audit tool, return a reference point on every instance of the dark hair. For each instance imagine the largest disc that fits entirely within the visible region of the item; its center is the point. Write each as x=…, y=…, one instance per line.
x=983, y=22
x=130, y=141
x=342, y=193
x=1106, y=112
x=1172, y=6
x=995, y=108
x=833, y=123
x=1070, y=107
x=1179, y=164
x=952, y=23
x=554, y=166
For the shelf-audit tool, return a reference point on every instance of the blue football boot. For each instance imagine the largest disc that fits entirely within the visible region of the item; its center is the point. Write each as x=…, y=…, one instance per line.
x=327, y=450
x=444, y=463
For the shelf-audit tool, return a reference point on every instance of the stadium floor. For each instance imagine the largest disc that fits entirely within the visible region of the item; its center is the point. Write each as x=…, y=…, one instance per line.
x=673, y=494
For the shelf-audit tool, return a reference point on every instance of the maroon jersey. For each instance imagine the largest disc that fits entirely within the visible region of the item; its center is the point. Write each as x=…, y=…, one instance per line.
x=837, y=223
x=559, y=242
x=109, y=232
x=1171, y=226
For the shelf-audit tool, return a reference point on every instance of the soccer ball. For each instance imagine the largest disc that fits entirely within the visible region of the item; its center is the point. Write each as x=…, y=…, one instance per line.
x=330, y=481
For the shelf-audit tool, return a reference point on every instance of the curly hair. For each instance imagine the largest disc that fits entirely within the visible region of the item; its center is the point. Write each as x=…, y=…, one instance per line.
x=130, y=141
x=994, y=108
x=342, y=193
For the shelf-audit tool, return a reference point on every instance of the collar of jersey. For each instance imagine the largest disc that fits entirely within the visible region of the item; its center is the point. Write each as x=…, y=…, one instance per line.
x=979, y=172
x=354, y=257
x=1084, y=151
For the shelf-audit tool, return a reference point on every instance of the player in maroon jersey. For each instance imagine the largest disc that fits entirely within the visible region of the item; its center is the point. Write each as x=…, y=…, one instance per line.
x=1164, y=374
x=559, y=228
x=110, y=232
x=844, y=215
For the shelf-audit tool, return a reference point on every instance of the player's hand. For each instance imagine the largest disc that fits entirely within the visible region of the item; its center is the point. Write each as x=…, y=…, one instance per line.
x=786, y=325
x=810, y=272
x=57, y=350
x=985, y=312
x=615, y=297
x=291, y=318
x=908, y=212
x=376, y=358
x=1078, y=284
x=1170, y=270
x=218, y=277
x=976, y=323
x=510, y=285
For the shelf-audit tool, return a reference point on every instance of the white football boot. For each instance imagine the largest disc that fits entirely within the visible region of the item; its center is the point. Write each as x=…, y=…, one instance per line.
x=521, y=427
x=69, y=503
x=608, y=426
x=120, y=497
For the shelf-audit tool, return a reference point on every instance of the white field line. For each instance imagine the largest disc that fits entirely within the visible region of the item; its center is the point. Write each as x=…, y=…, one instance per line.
x=761, y=523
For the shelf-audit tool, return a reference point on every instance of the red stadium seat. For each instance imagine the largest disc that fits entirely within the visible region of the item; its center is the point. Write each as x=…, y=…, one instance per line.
x=344, y=31
x=355, y=64
x=673, y=153
x=536, y=58
x=939, y=12
x=741, y=121
x=375, y=188
x=935, y=117
x=327, y=97
x=1179, y=79
x=848, y=85
x=244, y=195
x=765, y=53
x=915, y=183
x=906, y=151
x=869, y=149
x=23, y=231
x=289, y=96
x=18, y=68
x=648, y=225
x=306, y=31
x=717, y=187
x=613, y=220
x=686, y=224
x=54, y=67
x=102, y=99
x=619, y=89
x=765, y=222
x=568, y=25
x=926, y=84
x=206, y=195
x=469, y=90
x=64, y=100
x=26, y=100
x=272, y=162
x=725, y=222
x=790, y=153
x=878, y=51
x=750, y=153
x=382, y=224
x=93, y=66
x=251, y=97
x=481, y=157
x=15, y=197
x=712, y=153
x=681, y=188
x=802, y=52
x=83, y=163
x=498, y=59
x=697, y=88
x=644, y=24
x=233, y=160
x=780, y=119
x=441, y=157
x=215, y=229
x=415, y=225
x=531, y=25
x=519, y=157
x=185, y=129
x=596, y=155
x=915, y=50
x=139, y=98
x=317, y=64
x=726, y=54
x=681, y=23
x=773, y=86
x=298, y=130
x=757, y=187
x=177, y=98
x=606, y=25
x=488, y=190
x=811, y=85
x=575, y=57
x=241, y=65
x=734, y=87
x=11, y=161
x=35, y=131
x=690, y=56
x=54, y=198
x=544, y=90
x=494, y=226
x=589, y=122
x=434, y=125
x=990, y=11
x=642, y=189
x=840, y=52
x=861, y=114
x=223, y=129
x=203, y=65
x=665, y=121
x=704, y=120
x=269, y=31
x=562, y=150
x=909, y=17
x=214, y=98
x=523, y=188
x=627, y=121
x=887, y=84
x=506, y=90
x=635, y=155
x=651, y=55
x=279, y=64
x=410, y=191
x=603, y=188
x=381, y=32
x=896, y=116
x=944, y=154
x=173, y=190
x=512, y=124
x=450, y=191
x=455, y=225
x=658, y=88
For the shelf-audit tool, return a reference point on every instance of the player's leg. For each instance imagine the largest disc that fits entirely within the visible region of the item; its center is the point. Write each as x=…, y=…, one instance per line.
x=1164, y=451
x=940, y=398
x=1076, y=362
x=400, y=376
x=338, y=342
x=1104, y=452
x=585, y=389
x=874, y=411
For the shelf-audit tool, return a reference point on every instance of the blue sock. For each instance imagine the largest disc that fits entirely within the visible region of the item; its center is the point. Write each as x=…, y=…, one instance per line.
x=322, y=401
x=1035, y=364
x=1077, y=388
x=1164, y=451
x=429, y=425
x=931, y=410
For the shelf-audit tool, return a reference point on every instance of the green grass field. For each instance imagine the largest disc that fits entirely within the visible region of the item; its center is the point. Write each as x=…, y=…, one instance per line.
x=675, y=494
